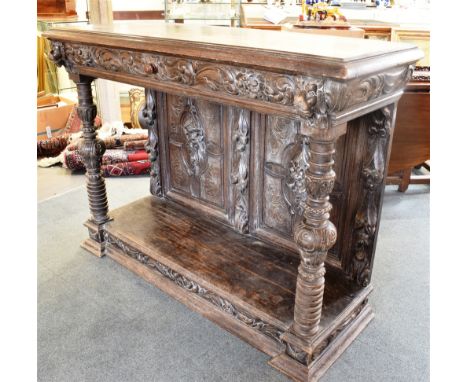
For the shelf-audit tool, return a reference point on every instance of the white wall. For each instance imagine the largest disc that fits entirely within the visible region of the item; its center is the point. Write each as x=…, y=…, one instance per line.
x=123, y=5
x=137, y=5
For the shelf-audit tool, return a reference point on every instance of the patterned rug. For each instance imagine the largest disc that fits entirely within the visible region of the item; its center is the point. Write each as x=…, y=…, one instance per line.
x=74, y=161
x=140, y=167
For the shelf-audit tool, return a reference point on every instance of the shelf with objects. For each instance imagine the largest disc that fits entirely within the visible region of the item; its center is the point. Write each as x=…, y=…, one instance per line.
x=215, y=12
x=377, y=19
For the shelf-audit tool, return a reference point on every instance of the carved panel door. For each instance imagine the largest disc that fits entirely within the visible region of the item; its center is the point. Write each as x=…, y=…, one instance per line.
x=195, y=150
x=206, y=158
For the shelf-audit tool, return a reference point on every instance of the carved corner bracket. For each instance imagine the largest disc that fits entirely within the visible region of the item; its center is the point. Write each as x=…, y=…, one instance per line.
x=379, y=130
x=58, y=56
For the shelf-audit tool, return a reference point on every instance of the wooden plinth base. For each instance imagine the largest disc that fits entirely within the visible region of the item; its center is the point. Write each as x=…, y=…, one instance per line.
x=313, y=372
x=242, y=284
x=93, y=247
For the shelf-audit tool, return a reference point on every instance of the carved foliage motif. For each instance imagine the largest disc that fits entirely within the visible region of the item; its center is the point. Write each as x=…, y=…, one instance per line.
x=194, y=145
x=296, y=178
x=372, y=175
x=149, y=118
x=299, y=92
x=191, y=286
x=340, y=95
x=309, y=97
x=240, y=175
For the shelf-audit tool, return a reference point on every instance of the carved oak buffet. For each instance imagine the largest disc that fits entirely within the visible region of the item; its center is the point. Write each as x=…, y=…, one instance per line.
x=253, y=136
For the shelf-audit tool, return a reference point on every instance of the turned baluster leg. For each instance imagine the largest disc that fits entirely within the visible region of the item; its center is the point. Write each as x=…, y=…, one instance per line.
x=91, y=150
x=314, y=236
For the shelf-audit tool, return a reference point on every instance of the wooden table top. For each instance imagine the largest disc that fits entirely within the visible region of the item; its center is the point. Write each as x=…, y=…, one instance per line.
x=325, y=55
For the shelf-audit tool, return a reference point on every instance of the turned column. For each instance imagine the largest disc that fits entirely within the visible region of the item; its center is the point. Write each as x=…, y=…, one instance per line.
x=91, y=150
x=314, y=235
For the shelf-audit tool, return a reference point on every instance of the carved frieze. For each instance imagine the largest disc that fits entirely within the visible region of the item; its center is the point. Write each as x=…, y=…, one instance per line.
x=193, y=287
x=341, y=95
x=372, y=175
x=299, y=92
x=312, y=98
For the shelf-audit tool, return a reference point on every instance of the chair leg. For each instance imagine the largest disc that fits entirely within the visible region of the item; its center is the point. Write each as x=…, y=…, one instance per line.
x=405, y=180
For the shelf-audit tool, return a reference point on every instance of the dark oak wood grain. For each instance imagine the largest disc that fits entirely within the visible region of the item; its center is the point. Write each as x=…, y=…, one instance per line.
x=248, y=276
x=268, y=159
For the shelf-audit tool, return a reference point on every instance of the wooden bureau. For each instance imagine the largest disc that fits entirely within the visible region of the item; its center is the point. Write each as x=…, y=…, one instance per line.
x=269, y=156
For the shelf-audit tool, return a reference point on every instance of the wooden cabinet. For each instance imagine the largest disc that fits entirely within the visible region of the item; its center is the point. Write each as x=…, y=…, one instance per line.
x=411, y=142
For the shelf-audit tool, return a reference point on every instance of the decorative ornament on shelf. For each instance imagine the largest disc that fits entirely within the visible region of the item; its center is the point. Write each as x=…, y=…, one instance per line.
x=320, y=14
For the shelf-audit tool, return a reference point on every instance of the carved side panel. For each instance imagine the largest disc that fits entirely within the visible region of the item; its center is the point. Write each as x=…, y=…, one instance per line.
x=282, y=188
x=376, y=138
x=278, y=197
